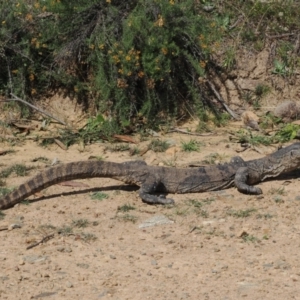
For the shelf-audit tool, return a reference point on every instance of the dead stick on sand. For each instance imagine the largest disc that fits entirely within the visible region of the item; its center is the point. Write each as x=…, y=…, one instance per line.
x=34, y=107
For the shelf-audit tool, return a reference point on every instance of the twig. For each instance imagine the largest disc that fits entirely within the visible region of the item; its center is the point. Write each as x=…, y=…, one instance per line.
x=10, y=85
x=44, y=239
x=220, y=99
x=279, y=35
x=297, y=44
x=190, y=133
x=36, y=108
x=238, y=20
x=2, y=228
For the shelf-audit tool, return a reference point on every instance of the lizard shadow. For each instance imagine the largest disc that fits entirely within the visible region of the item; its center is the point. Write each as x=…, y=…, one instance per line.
x=89, y=190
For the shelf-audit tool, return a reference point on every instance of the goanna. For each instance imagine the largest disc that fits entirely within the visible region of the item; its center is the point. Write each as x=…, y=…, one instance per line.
x=155, y=179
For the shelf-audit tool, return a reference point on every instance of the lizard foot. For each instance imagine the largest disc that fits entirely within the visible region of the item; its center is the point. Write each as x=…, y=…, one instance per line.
x=163, y=200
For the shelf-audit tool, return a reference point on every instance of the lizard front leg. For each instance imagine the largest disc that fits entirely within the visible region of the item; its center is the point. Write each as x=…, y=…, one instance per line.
x=149, y=187
x=240, y=181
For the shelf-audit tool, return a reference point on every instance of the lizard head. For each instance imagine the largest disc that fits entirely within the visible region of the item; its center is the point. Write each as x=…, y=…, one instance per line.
x=288, y=157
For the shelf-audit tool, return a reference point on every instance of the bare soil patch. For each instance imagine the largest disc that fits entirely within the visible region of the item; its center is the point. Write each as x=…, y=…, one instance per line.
x=220, y=245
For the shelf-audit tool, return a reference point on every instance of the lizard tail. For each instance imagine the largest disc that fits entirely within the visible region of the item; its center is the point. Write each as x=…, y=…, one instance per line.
x=60, y=173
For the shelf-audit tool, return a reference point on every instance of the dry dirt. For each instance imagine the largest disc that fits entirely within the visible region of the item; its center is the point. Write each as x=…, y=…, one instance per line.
x=220, y=245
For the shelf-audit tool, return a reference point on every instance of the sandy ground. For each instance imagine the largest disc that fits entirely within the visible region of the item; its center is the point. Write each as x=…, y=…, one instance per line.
x=217, y=245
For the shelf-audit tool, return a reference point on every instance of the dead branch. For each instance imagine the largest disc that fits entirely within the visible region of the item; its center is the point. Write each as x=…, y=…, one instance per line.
x=190, y=133
x=44, y=239
x=220, y=99
x=34, y=107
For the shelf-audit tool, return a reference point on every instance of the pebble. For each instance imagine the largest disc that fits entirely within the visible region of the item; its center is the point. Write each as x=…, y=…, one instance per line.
x=14, y=226
x=154, y=263
x=156, y=220
x=69, y=285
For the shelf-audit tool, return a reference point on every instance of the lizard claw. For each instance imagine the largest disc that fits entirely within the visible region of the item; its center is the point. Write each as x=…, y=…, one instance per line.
x=164, y=200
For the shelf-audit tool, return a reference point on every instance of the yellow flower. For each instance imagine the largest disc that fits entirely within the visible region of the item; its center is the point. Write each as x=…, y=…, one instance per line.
x=3, y=22
x=33, y=91
x=128, y=58
x=171, y=2
x=202, y=64
x=160, y=21
x=164, y=51
x=101, y=46
x=141, y=74
x=31, y=77
x=108, y=1
x=28, y=17
x=15, y=71
x=120, y=71
x=121, y=83
x=92, y=47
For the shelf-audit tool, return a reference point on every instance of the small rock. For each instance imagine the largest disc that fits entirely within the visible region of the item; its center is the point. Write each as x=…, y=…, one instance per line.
x=112, y=256
x=171, y=142
x=69, y=285
x=68, y=250
x=294, y=277
x=14, y=226
x=243, y=233
x=21, y=262
x=287, y=111
x=34, y=259
x=153, y=133
x=172, y=151
x=210, y=222
x=250, y=119
x=156, y=220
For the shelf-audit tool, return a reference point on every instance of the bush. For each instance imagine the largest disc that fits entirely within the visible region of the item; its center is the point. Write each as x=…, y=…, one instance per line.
x=137, y=61
x=134, y=59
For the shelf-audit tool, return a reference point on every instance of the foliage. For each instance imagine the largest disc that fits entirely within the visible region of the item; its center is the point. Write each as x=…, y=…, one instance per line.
x=241, y=213
x=190, y=146
x=133, y=60
x=19, y=169
x=287, y=133
x=137, y=62
x=99, y=196
x=125, y=208
x=258, y=21
x=159, y=145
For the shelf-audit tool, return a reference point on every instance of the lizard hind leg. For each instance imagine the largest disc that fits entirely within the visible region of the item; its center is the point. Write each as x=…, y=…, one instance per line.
x=149, y=187
x=240, y=182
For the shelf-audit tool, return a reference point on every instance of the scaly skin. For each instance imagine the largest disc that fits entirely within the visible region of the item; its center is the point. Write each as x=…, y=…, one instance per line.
x=152, y=179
